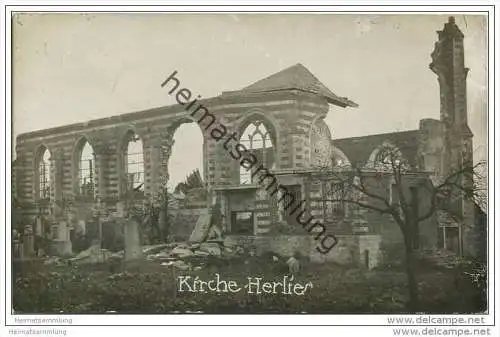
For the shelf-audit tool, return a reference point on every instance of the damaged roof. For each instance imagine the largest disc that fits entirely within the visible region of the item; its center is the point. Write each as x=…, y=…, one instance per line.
x=297, y=77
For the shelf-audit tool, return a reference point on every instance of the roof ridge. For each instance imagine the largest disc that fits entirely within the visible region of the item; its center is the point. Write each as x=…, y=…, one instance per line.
x=297, y=77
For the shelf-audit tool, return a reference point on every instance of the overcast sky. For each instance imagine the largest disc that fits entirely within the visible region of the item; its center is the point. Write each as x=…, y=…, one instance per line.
x=74, y=67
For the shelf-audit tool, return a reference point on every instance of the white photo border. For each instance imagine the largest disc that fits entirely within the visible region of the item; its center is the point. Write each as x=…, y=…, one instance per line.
x=367, y=320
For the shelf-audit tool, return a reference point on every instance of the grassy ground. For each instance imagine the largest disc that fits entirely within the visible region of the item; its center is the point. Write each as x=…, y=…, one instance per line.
x=149, y=287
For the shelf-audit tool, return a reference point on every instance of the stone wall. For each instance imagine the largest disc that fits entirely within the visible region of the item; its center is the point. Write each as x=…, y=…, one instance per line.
x=363, y=251
x=350, y=250
x=344, y=253
x=284, y=245
x=370, y=250
x=431, y=147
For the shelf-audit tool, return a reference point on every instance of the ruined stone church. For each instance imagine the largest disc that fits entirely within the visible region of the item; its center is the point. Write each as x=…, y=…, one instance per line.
x=66, y=177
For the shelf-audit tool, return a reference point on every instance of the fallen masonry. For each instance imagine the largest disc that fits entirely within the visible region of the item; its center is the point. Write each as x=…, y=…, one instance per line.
x=179, y=255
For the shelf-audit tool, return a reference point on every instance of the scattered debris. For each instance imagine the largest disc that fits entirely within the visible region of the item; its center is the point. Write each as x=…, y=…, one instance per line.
x=212, y=248
x=193, y=255
x=179, y=255
x=179, y=264
x=181, y=252
x=94, y=254
x=120, y=275
x=155, y=248
x=53, y=260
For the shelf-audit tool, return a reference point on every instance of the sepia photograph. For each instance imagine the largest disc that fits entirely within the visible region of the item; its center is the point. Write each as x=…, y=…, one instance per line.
x=249, y=163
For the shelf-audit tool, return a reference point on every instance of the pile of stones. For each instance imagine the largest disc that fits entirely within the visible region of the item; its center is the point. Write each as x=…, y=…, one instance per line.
x=182, y=255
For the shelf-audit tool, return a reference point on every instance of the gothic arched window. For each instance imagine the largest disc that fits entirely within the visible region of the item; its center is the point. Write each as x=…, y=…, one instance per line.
x=257, y=140
x=43, y=175
x=86, y=170
x=134, y=163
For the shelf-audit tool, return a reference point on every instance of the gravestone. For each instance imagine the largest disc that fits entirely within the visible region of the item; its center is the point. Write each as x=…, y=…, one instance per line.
x=132, y=240
x=81, y=227
x=62, y=242
x=120, y=210
x=39, y=227
x=28, y=242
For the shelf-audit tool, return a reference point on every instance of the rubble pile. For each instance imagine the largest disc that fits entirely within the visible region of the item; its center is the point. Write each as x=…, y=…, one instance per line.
x=191, y=256
x=178, y=255
x=94, y=254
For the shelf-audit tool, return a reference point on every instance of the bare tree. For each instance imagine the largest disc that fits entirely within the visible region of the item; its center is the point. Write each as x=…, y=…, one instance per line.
x=388, y=185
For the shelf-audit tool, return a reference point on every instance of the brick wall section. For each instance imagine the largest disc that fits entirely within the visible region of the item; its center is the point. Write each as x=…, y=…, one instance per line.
x=287, y=116
x=316, y=200
x=431, y=148
x=24, y=176
x=13, y=179
x=321, y=143
x=263, y=212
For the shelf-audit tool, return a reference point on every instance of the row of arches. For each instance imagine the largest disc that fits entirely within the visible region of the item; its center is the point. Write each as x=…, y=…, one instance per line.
x=84, y=167
x=258, y=138
x=386, y=156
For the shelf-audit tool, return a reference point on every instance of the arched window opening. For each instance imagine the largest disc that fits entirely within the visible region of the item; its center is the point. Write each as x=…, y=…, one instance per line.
x=134, y=164
x=86, y=172
x=258, y=142
x=44, y=175
x=186, y=169
x=387, y=157
x=339, y=159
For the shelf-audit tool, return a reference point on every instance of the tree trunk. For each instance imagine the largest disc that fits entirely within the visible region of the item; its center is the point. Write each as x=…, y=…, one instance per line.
x=413, y=303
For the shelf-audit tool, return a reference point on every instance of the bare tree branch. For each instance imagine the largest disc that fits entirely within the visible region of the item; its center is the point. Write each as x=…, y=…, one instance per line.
x=389, y=164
